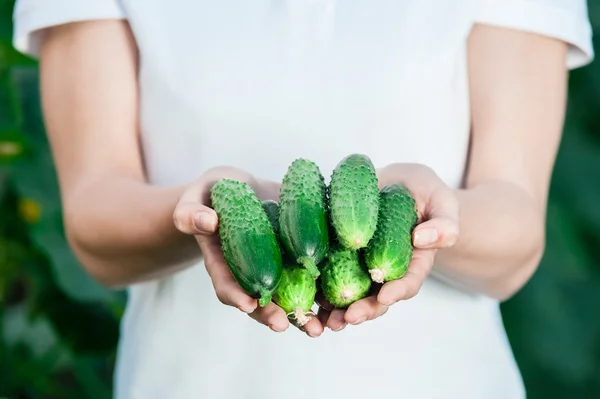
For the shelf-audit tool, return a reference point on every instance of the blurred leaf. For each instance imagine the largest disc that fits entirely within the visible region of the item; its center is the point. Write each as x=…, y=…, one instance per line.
x=11, y=255
x=37, y=334
x=549, y=321
x=11, y=57
x=3, y=182
x=9, y=112
x=6, y=12
x=35, y=179
x=88, y=328
x=576, y=184
x=48, y=234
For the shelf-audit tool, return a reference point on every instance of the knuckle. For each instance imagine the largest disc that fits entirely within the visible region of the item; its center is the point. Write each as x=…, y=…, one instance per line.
x=412, y=290
x=181, y=218
x=451, y=234
x=222, y=295
x=178, y=216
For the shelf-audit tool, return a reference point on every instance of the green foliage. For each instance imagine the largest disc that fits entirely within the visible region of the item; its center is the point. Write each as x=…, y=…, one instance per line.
x=59, y=329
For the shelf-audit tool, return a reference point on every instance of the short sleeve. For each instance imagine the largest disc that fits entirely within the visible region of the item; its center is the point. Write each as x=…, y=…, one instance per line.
x=30, y=17
x=566, y=20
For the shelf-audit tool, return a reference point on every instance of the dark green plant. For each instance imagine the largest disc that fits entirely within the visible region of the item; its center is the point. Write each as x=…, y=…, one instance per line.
x=58, y=328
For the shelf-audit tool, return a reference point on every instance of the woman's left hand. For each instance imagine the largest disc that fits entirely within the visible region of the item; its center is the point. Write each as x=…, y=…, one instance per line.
x=437, y=227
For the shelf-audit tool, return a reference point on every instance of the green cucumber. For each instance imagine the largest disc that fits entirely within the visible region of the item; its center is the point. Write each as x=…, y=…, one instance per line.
x=390, y=251
x=303, y=220
x=272, y=210
x=296, y=294
x=249, y=244
x=344, y=279
x=354, y=201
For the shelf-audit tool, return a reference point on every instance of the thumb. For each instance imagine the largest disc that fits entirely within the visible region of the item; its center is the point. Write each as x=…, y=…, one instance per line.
x=441, y=232
x=195, y=219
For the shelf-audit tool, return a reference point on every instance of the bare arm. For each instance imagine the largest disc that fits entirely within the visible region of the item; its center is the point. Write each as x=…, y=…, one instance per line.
x=123, y=229
x=489, y=236
x=120, y=227
x=518, y=88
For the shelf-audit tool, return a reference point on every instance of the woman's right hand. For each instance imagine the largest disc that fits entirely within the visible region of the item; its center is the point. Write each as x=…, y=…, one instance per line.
x=194, y=216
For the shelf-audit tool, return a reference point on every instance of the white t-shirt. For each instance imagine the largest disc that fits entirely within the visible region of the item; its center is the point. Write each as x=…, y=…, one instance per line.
x=256, y=84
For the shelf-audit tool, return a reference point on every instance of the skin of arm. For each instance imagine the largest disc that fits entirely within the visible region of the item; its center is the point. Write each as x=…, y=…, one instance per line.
x=488, y=236
x=121, y=228
x=89, y=96
x=518, y=84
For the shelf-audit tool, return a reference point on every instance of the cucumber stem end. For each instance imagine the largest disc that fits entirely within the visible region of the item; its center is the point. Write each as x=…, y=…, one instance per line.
x=377, y=275
x=310, y=265
x=347, y=294
x=265, y=298
x=300, y=317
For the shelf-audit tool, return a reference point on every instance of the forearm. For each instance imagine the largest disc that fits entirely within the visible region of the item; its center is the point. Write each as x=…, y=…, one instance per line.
x=500, y=243
x=518, y=92
x=122, y=230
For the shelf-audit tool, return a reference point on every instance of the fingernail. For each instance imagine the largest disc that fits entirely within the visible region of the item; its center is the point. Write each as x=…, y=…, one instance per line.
x=243, y=309
x=359, y=321
x=204, y=221
x=272, y=327
x=312, y=334
x=425, y=237
x=340, y=328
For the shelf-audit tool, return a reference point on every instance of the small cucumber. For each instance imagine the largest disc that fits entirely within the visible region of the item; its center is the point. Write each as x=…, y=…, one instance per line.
x=344, y=279
x=303, y=220
x=390, y=251
x=296, y=294
x=249, y=244
x=272, y=210
x=354, y=201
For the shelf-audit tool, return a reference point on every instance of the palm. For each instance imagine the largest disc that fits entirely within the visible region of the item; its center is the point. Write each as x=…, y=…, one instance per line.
x=437, y=228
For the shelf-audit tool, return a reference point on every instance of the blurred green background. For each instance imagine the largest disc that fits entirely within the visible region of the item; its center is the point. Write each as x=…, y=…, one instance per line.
x=59, y=329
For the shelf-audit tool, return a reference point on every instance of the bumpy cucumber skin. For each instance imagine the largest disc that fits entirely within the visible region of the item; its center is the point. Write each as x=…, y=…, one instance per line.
x=296, y=292
x=344, y=279
x=390, y=251
x=272, y=210
x=249, y=244
x=354, y=201
x=304, y=234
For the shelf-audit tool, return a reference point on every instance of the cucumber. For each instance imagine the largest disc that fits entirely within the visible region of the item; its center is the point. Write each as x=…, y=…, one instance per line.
x=354, y=201
x=296, y=294
x=390, y=251
x=249, y=244
x=344, y=279
x=303, y=220
x=272, y=210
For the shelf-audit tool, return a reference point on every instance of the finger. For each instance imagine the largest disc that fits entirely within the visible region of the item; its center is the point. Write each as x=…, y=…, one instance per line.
x=365, y=309
x=313, y=328
x=194, y=218
x=409, y=285
x=271, y=316
x=307, y=322
x=336, y=321
x=441, y=230
x=228, y=291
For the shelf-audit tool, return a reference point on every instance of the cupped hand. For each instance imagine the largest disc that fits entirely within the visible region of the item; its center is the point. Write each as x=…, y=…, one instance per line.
x=193, y=215
x=437, y=228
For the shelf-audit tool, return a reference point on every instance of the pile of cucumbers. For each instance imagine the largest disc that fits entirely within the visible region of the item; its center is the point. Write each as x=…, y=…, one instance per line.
x=339, y=238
